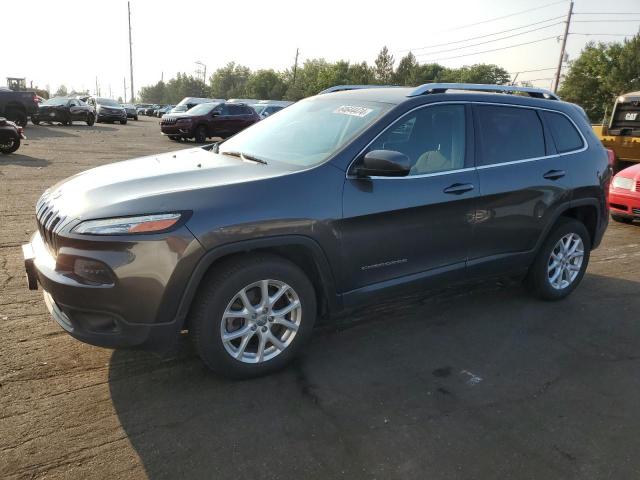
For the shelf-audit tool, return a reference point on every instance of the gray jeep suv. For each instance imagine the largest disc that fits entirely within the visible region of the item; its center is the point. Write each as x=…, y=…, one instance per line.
x=336, y=201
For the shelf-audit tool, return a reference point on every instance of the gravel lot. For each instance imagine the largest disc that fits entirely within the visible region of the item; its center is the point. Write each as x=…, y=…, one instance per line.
x=480, y=382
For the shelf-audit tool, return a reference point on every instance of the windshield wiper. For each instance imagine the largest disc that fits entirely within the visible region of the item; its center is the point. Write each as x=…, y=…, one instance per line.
x=244, y=156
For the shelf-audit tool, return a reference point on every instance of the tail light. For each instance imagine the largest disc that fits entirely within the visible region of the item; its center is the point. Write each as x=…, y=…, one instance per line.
x=34, y=97
x=612, y=157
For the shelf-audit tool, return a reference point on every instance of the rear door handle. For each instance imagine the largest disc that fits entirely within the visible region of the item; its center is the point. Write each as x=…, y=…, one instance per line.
x=554, y=174
x=459, y=188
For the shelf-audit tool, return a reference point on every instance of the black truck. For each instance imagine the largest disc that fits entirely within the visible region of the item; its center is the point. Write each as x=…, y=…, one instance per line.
x=17, y=106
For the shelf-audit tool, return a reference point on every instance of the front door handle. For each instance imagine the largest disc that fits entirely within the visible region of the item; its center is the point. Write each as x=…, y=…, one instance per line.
x=554, y=174
x=459, y=188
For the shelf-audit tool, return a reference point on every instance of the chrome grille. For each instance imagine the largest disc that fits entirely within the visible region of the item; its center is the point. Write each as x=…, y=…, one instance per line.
x=168, y=120
x=636, y=211
x=50, y=222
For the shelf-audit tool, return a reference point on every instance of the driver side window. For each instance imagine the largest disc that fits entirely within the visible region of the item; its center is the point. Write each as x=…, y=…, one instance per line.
x=432, y=137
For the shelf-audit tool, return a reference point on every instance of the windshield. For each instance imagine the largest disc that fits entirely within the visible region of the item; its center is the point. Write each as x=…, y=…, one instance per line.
x=107, y=101
x=307, y=133
x=202, y=109
x=56, y=101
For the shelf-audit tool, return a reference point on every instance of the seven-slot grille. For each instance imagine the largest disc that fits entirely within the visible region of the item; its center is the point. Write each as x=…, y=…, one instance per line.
x=49, y=222
x=168, y=120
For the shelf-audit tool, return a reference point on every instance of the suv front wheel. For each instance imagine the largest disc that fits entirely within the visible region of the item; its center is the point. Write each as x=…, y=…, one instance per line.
x=252, y=316
x=562, y=260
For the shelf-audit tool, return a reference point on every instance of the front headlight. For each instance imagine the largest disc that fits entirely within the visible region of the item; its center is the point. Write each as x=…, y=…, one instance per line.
x=128, y=225
x=183, y=121
x=623, y=182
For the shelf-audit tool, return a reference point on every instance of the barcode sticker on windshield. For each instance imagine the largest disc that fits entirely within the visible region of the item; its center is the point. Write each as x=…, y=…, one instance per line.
x=353, y=110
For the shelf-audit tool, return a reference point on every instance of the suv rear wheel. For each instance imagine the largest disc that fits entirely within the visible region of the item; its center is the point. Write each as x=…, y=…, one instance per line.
x=253, y=316
x=201, y=134
x=562, y=260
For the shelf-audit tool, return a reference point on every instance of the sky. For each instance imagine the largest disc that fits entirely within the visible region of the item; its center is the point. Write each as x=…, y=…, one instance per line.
x=72, y=42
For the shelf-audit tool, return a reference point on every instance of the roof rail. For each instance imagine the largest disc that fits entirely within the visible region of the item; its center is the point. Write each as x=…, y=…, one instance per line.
x=340, y=88
x=428, y=88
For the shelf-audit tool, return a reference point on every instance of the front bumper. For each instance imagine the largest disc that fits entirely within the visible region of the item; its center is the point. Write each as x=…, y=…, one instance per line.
x=111, y=116
x=135, y=310
x=624, y=204
x=176, y=130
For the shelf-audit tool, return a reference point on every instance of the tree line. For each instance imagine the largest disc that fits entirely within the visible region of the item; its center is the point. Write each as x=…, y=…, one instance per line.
x=601, y=73
x=314, y=75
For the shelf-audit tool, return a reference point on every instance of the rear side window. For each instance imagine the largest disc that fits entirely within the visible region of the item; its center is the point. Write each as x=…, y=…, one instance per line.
x=508, y=134
x=564, y=133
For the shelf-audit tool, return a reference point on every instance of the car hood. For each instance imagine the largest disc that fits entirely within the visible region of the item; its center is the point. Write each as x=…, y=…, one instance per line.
x=112, y=107
x=630, y=172
x=112, y=188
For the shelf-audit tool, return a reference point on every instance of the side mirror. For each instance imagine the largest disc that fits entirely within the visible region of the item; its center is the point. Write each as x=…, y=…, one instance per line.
x=215, y=114
x=384, y=163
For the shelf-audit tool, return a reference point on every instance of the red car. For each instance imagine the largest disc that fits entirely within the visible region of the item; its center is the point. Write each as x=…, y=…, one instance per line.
x=624, y=195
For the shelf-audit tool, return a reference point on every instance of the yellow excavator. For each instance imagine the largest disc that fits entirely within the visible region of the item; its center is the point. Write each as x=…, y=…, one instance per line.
x=622, y=135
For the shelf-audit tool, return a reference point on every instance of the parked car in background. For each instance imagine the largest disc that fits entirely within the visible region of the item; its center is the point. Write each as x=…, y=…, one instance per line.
x=208, y=120
x=164, y=110
x=266, y=109
x=17, y=106
x=335, y=202
x=64, y=110
x=132, y=111
x=624, y=195
x=10, y=136
x=108, y=110
x=142, y=107
x=190, y=102
x=149, y=110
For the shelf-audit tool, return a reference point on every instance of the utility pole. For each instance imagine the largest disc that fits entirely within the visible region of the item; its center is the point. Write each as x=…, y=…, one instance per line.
x=97, y=91
x=124, y=84
x=564, y=44
x=295, y=67
x=130, y=54
x=202, y=71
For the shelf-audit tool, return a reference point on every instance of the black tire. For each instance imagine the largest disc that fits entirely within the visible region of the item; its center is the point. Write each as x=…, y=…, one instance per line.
x=175, y=138
x=135, y=118
x=123, y=122
x=11, y=146
x=35, y=121
x=91, y=119
x=219, y=289
x=537, y=279
x=621, y=218
x=201, y=134
x=17, y=116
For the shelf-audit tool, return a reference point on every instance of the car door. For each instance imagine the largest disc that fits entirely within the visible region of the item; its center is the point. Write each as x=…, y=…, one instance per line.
x=522, y=186
x=220, y=122
x=413, y=227
x=236, y=120
x=75, y=111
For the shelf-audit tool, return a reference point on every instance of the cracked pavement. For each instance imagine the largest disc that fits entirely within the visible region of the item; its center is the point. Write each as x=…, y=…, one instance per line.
x=465, y=383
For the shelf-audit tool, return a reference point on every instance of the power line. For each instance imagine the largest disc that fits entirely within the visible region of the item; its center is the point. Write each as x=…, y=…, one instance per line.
x=502, y=17
x=495, y=49
x=490, y=41
x=605, y=34
x=535, y=70
x=480, y=36
x=633, y=20
x=607, y=13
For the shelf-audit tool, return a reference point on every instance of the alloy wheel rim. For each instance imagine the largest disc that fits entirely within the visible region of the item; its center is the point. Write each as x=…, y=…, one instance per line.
x=565, y=261
x=261, y=321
